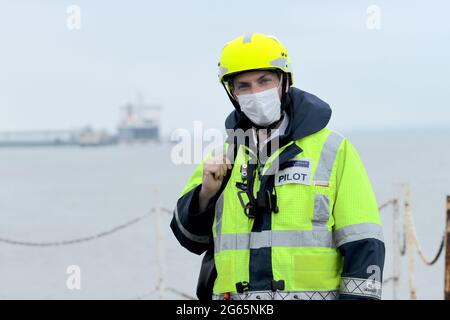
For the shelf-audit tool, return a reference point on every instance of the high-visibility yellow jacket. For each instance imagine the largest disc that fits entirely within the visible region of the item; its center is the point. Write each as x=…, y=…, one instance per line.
x=308, y=229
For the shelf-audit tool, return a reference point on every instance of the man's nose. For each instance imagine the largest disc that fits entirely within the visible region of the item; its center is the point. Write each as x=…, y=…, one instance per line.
x=255, y=88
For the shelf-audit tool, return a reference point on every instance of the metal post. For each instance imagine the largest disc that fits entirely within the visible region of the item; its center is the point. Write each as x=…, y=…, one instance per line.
x=447, y=254
x=410, y=245
x=396, y=244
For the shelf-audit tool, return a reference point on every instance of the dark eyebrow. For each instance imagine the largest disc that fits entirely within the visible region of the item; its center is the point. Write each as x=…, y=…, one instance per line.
x=259, y=78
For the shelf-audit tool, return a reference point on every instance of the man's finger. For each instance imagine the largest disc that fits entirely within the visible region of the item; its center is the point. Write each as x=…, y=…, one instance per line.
x=210, y=170
x=218, y=172
x=223, y=171
x=228, y=163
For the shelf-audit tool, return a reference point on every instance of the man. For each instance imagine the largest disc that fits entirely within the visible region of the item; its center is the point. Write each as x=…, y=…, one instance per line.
x=288, y=212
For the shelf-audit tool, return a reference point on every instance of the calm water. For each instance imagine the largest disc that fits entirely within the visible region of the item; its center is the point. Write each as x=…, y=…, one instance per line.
x=52, y=194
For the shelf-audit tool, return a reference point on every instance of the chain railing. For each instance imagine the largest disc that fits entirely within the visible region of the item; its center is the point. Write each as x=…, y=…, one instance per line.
x=409, y=246
x=410, y=243
x=160, y=288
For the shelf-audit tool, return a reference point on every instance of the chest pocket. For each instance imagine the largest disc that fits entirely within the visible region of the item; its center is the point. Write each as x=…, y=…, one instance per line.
x=295, y=194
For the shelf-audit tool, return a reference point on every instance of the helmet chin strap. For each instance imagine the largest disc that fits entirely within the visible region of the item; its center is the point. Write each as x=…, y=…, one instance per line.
x=284, y=101
x=232, y=99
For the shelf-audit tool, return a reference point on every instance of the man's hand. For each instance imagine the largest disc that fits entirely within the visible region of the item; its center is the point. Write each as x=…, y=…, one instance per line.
x=214, y=171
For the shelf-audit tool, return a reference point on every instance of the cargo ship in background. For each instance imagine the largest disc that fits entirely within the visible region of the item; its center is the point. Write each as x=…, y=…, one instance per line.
x=138, y=123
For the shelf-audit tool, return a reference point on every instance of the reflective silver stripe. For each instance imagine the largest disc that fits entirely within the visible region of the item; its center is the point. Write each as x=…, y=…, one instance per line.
x=231, y=242
x=222, y=70
x=283, y=295
x=327, y=157
x=187, y=234
x=321, y=212
x=279, y=62
x=361, y=287
x=219, y=215
x=357, y=232
x=274, y=238
x=247, y=38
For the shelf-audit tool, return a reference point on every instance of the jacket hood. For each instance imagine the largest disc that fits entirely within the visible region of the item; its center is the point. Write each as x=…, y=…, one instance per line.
x=307, y=115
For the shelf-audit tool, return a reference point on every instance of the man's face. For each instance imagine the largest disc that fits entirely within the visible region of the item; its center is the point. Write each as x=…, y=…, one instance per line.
x=254, y=82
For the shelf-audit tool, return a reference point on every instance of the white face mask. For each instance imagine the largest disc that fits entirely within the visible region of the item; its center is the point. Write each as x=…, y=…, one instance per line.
x=262, y=108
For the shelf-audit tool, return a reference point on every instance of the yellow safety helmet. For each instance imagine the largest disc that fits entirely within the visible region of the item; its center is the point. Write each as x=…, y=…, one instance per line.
x=253, y=51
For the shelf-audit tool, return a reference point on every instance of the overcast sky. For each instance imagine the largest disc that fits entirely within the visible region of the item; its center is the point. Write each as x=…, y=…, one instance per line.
x=52, y=77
